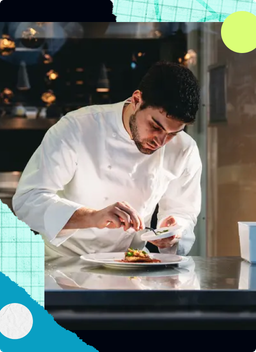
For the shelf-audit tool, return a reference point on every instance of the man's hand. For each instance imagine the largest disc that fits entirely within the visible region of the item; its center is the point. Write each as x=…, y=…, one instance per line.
x=120, y=214
x=169, y=241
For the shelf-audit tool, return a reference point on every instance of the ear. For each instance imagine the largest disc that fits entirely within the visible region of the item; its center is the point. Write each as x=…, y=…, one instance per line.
x=136, y=100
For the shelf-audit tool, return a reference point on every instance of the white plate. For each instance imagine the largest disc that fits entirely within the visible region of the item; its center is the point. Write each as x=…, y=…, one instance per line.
x=111, y=260
x=158, y=271
x=150, y=236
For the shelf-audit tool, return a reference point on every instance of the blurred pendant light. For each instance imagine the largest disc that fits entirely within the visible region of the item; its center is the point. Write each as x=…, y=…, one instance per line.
x=103, y=81
x=7, y=44
x=6, y=95
x=47, y=58
x=23, y=80
x=52, y=75
x=48, y=97
x=32, y=38
x=31, y=34
x=190, y=58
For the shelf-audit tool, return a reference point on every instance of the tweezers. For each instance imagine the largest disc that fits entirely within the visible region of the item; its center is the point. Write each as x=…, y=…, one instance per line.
x=151, y=229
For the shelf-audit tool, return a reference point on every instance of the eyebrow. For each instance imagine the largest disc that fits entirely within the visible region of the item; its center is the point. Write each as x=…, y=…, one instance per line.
x=160, y=125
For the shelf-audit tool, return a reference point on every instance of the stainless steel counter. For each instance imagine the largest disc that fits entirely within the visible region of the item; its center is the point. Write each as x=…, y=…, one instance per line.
x=214, y=290
x=224, y=273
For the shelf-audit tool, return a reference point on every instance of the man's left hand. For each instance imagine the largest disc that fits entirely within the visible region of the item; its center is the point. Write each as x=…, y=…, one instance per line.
x=169, y=241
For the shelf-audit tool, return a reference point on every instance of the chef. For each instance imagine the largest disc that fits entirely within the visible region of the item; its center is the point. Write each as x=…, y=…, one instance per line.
x=95, y=180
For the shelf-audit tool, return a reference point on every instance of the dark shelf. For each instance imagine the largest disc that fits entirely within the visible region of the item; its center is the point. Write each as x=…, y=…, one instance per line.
x=19, y=123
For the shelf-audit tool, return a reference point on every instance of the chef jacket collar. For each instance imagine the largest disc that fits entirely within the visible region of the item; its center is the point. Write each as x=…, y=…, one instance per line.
x=119, y=120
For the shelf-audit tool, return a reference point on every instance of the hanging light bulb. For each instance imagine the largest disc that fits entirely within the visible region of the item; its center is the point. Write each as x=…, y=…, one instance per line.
x=32, y=36
x=47, y=58
x=7, y=44
x=103, y=81
x=6, y=95
x=31, y=39
x=23, y=80
x=190, y=58
x=48, y=97
x=52, y=75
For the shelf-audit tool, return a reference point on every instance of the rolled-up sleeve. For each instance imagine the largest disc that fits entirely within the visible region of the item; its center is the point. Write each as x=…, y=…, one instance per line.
x=50, y=168
x=182, y=200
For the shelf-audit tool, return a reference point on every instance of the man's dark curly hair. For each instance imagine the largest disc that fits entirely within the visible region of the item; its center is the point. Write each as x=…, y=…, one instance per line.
x=173, y=88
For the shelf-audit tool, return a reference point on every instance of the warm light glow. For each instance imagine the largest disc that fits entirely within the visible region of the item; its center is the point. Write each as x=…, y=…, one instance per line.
x=180, y=59
x=47, y=59
x=190, y=58
x=7, y=91
x=158, y=34
x=6, y=95
x=30, y=32
x=48, y=97
x=140, y=54
x=79, y=69
x=79, y=82
x=102, y=90
x=33, y=37
x=52, y=75
x=7, y=46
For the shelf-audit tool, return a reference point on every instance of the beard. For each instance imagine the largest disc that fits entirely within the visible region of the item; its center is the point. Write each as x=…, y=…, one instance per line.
x=140, y=144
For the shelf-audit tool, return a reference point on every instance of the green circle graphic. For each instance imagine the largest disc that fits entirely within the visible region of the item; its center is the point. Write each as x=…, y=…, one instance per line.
x=238, y=32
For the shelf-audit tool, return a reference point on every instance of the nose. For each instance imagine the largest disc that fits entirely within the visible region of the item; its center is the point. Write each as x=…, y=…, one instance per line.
x=161, y=141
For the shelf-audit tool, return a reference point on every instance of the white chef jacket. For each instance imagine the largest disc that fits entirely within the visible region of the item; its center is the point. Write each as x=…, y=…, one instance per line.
x=88, y=159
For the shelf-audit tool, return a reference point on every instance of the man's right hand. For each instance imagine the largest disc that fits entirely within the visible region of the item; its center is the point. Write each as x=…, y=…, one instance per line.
x=117, y=215
x=120, y=214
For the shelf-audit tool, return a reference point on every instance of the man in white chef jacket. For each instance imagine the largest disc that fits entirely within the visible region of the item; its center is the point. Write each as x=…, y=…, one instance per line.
x=100, y=171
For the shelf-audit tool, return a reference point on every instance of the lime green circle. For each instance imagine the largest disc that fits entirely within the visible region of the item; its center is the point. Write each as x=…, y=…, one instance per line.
x=238, y=32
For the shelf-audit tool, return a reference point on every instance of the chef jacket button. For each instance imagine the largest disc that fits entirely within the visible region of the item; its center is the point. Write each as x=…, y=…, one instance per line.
x=106, y=198
x=109, y=167
x=114, y=134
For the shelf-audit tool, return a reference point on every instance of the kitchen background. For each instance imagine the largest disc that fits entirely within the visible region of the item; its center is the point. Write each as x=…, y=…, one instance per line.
x=50, y=68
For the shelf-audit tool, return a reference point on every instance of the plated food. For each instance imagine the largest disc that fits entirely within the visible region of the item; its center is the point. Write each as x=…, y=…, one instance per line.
x=136, y=259
x=137, y=256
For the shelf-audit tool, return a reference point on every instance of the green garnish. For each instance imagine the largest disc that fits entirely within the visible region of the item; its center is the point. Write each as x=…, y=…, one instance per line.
x=129, y=254
x=158, y=232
